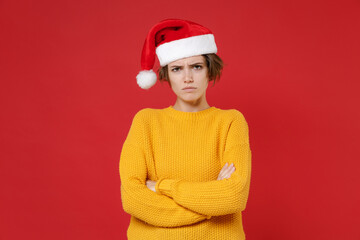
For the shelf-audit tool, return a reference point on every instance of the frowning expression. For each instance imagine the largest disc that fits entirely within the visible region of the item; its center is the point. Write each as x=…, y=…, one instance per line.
x=189, y=78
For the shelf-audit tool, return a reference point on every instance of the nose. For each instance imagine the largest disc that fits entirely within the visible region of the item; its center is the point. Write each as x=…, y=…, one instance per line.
x=188, y=76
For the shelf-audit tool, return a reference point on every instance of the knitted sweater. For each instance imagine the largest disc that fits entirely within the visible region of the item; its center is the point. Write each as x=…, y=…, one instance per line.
x=184, y=153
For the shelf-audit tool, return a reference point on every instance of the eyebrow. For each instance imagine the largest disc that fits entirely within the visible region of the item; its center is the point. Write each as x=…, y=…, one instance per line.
x=197, y=63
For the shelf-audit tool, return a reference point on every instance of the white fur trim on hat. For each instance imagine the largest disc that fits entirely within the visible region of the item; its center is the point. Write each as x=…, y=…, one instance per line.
x=185, y=47
x=146, y=79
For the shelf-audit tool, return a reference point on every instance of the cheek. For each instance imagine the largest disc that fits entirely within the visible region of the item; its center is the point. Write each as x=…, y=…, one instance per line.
x=174, y=86
x=174, y=81
x=204, y=81
x=205, y=86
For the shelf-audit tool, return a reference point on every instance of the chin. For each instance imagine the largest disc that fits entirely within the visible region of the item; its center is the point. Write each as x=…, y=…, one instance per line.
x=191, y=100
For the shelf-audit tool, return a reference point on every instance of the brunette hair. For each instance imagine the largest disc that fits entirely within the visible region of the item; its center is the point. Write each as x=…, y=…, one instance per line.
x=213, y=63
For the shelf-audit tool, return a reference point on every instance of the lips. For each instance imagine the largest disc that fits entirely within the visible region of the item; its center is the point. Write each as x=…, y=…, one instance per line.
x=188, y=88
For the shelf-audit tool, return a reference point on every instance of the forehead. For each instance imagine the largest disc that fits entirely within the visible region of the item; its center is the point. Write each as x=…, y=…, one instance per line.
x=188, y=60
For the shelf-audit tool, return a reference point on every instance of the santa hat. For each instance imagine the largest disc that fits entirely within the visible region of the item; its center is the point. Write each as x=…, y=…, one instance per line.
x=172, y=39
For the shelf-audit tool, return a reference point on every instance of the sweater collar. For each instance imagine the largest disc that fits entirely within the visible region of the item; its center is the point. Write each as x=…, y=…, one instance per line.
x=190, y=115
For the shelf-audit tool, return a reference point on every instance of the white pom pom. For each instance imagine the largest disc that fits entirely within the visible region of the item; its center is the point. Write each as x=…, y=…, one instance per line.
x=146, y=79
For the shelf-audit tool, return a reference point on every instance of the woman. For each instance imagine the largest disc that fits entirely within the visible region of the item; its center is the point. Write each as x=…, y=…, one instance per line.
x=185, y=169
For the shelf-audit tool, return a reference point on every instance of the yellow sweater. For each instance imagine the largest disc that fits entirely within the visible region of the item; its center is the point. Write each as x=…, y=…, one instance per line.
x=184, y=152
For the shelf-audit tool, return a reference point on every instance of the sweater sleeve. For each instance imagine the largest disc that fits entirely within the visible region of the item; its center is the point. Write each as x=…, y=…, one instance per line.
x=137, y=199
x=218, y=197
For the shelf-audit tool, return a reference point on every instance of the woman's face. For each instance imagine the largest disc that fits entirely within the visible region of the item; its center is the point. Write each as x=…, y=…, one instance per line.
x=189, y=78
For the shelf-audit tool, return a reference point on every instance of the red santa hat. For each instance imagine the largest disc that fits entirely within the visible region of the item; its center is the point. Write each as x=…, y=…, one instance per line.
x=172, y=39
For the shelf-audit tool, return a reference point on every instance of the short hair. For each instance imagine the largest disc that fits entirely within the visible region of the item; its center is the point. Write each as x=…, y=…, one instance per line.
x=213, y=63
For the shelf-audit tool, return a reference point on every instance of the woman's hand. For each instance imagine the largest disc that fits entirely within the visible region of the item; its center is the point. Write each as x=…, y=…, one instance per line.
x=151, y=185
x=226, y=171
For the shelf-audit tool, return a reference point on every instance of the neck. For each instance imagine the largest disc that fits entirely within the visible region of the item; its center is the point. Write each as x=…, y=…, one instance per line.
x=198, y=105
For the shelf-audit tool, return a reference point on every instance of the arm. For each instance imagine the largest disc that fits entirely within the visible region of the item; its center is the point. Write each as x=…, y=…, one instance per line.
x=222, y=197
x=225, y=172
x=137, y=199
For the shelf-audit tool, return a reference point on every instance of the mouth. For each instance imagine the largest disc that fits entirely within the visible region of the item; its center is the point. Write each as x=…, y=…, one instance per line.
x=186, y=88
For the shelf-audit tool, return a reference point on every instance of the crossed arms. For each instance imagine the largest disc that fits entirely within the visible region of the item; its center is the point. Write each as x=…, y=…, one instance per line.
x=173, y=203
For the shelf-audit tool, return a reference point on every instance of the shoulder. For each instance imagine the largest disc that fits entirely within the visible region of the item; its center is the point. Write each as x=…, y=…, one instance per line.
x=236, y=125
x=145, y=114
x=234, y=119
x=232, y=115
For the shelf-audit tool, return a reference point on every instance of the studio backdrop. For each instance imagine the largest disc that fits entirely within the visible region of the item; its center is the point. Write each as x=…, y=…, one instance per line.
x=68, y=95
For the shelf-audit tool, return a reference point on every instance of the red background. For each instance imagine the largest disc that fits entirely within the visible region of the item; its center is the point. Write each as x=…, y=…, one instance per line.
x=68, y=94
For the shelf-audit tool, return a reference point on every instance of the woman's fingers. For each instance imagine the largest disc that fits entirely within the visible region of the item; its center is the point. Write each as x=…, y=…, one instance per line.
x=220, y=176
x=226, y=171
x=231, y=171
x=151, y=185
x=223, y=171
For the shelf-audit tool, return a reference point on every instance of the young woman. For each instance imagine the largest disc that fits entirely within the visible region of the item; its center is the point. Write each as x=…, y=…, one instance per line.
x=185, y=169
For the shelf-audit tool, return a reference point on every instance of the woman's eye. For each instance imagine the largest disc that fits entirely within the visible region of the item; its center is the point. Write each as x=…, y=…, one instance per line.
x=197, y=66
x=175, y=69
